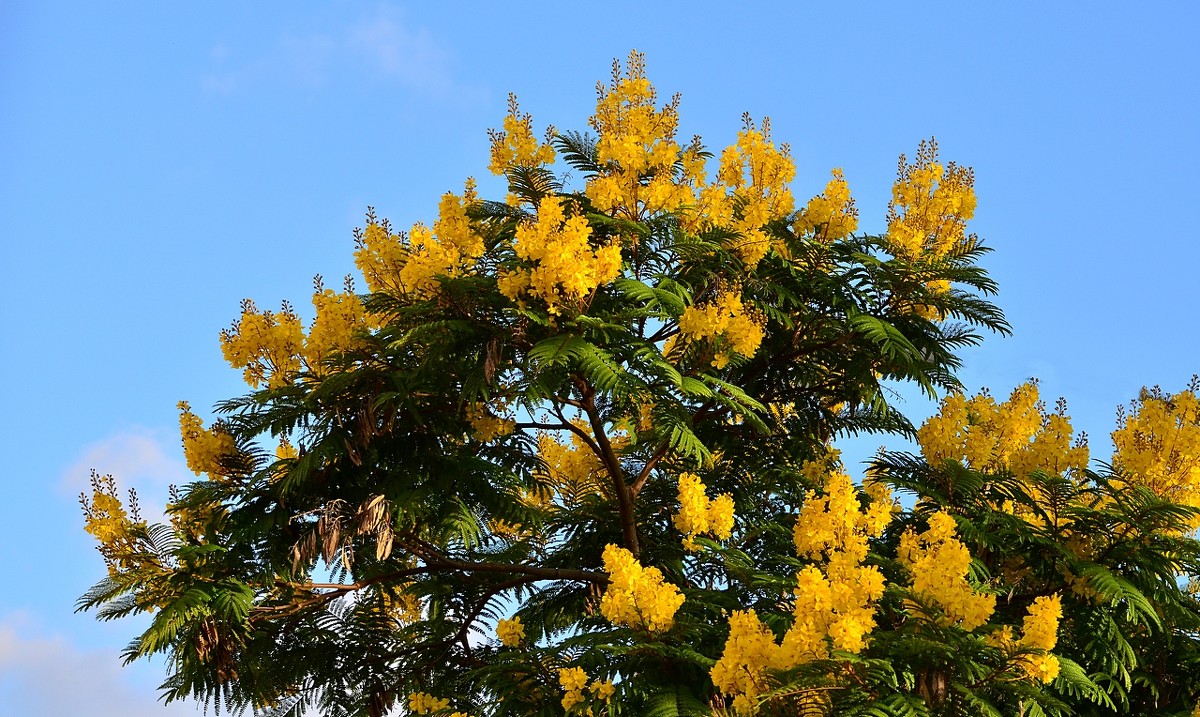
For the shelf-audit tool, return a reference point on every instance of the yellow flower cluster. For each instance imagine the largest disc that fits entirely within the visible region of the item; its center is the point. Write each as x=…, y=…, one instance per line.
x=515, y=145
x=830, y=215
x=836, y=601
x=834, y=604
x=835, y=523
x=380, y=255
x=272, y=347
x=573, y=680
x=566, y=269
x=1157, y=446
x=939, y=563
x=733, y=327
x=106, y=518
x=203, y=449
x=422, y=703
x=397, y=603
x=108, y=521
x=697, y=514
x=449, y=249
x=340, y=317
x=486, y=425
x=1017, y=435
x=637, y=596
x=1040, y=631
x=409, y=265
x=751, y=190
x=511, y=632
x=574, y=470
x=931, y=205
x=637, y=150
x=268, y=345
x=749, y=652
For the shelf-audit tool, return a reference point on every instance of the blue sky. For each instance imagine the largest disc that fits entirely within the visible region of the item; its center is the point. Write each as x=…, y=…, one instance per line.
x=159, y=162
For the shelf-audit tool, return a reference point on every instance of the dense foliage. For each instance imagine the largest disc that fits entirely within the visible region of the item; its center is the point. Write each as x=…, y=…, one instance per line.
x=572, y=452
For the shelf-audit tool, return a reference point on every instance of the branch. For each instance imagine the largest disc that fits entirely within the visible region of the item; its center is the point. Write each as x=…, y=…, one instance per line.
x=650, y=463
x=613, y=466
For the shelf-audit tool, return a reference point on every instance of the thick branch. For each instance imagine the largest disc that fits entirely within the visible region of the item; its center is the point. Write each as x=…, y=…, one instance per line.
x=612, y=464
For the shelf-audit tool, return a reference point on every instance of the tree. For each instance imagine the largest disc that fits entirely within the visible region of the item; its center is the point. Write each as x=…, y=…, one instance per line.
x=573, y=452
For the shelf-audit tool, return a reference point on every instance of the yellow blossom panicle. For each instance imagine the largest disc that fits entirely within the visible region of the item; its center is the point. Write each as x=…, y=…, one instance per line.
x=203, y=449
x=397, y=603
x=637, y=596
x=487, y=426
x=1040, y=631
x=939, y=564
x=1157, y=446
x=602, y=689
x=340, y=319
x=731, y=326
x=697, y=514
x=267, y=345
x=830, y=215
x=637, y=151
x=511, y=632
x=836, y=523
x=515, y=145
x=835, y=601
x=750, y=650
x=931, y=205
x=574, y=470
x=565, y=268
x=408, y=264
x=380, y=255
x=422, y=703
x=106, y=519
x=449, y=249
x=285, y=454
x=573, y=681
x=1018, y=435
x=751, y=190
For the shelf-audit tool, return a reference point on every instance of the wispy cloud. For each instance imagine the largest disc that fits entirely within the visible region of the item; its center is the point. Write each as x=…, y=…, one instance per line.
x=381, y=47
x=394, y=50
x=44, y=673
x=138, y=458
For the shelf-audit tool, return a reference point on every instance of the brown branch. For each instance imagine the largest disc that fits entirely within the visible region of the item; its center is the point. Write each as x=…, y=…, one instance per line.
x=612, y=464
x=644, y=475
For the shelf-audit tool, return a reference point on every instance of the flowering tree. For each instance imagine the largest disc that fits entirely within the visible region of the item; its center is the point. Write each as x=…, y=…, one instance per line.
x=572, y=453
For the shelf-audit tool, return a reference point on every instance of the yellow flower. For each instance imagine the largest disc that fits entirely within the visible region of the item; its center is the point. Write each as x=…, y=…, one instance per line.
x=268, y=345
x=564, y=267
x=422, y=703
x=731, y=326
x=1157, y=446
x=515, y=145
x=603, y=690
x=637, y=596
x=511, y=632
x=830, y=215
x=939, y=563
x=203, y=449
x=637, y=151
x=573, y=680
x=931, y=205
x=697, y=514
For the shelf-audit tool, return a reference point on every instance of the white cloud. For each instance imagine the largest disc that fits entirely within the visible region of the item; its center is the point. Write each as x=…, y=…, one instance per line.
x=381, y=46
x=394, y=50
x=46, y=674
x=138, y=458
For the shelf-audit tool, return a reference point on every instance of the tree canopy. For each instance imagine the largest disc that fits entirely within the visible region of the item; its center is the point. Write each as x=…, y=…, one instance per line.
x=573, y=452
